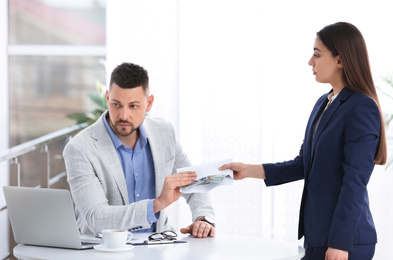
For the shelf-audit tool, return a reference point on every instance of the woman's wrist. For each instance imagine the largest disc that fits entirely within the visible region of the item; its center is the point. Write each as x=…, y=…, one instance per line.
x=258, y=171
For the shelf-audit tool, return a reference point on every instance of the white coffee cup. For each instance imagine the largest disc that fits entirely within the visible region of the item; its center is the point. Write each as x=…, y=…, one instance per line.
x=116, y=238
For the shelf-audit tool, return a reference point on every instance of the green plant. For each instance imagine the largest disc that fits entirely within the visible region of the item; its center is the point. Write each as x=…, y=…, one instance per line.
x=99, y=101
x=388, y=117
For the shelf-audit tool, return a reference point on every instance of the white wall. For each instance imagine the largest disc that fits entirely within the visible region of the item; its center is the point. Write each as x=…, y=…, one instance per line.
x=234, y=76
x=146, y=33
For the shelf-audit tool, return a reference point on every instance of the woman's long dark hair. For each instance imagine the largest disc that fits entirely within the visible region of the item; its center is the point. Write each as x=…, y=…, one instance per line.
x=346, y=40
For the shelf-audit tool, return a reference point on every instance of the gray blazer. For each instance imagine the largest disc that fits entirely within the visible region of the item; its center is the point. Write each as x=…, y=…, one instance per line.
x=98, y=184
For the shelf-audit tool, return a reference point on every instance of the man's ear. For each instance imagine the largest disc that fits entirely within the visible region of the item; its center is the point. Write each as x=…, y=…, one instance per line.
x=150, y=101
x=107, y=99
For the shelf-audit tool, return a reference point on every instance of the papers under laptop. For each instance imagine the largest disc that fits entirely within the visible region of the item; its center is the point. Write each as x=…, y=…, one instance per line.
x=43, y=217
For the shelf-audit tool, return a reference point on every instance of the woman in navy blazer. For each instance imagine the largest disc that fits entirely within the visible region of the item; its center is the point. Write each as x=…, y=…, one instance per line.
x=344, y=139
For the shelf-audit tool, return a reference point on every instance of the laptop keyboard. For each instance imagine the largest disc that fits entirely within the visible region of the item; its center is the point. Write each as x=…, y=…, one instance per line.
x=89, y=243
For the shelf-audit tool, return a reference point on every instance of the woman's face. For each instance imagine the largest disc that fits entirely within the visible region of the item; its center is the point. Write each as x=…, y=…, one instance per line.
x=326, y=68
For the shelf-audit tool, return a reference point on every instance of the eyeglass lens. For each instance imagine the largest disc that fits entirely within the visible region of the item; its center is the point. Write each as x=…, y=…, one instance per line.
x=168, y=234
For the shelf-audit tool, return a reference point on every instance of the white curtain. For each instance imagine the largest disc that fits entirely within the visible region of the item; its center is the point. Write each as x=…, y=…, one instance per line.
x=232, y=76
x=4, y=119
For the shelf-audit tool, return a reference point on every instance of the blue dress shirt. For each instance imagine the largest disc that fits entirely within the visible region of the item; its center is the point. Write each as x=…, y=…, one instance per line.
x=138, y=168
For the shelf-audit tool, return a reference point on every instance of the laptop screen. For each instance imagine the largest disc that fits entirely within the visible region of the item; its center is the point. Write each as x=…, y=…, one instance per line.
x=43, y=217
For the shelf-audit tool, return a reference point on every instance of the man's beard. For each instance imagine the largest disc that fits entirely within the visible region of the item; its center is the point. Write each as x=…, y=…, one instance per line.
x=122, y=131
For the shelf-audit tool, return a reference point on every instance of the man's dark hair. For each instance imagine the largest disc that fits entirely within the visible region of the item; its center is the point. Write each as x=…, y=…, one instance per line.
x=129, y=75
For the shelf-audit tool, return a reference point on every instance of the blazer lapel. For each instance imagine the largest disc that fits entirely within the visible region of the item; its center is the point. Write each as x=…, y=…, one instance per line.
x=109, y=156
x=316, y=115
x=158, y=154
x=326, y=116
x=308, y=142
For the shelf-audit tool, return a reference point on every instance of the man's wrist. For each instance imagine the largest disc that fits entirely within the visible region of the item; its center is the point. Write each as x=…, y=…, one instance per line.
x=157, y=206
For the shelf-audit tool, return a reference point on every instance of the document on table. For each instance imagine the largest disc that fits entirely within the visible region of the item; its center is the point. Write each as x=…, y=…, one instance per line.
x=208, y=177
x=143, y=239
x=136, y=240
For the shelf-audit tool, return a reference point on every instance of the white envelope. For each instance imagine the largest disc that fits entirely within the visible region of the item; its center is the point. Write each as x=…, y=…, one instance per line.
x=208, y=177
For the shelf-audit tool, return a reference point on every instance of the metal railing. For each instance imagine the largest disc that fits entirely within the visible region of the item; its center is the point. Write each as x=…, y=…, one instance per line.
x=41, y=144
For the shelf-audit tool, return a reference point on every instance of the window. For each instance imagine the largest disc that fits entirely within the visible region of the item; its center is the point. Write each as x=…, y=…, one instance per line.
x=56, y=53
x=50, y=67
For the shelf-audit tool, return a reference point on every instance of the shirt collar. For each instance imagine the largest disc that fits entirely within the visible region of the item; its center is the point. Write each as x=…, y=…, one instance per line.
x=332, y=97
x=142, y=141
x=142, y=137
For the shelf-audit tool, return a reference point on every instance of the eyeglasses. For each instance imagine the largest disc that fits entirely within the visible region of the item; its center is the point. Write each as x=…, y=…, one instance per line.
x=165, y=235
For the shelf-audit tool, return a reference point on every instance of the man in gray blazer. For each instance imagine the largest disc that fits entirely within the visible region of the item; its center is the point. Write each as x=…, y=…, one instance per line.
x=121, y=169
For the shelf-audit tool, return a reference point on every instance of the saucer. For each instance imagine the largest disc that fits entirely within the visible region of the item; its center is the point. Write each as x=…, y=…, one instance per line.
x=103, y=248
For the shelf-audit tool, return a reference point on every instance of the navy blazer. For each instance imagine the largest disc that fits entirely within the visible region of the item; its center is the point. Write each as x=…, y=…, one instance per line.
x=336, y=164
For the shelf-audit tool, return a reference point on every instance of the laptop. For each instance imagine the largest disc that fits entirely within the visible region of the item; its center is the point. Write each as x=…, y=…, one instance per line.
x=43, y=217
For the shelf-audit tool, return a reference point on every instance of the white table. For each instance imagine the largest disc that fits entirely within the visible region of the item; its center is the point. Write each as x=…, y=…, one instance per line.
x=220, y=247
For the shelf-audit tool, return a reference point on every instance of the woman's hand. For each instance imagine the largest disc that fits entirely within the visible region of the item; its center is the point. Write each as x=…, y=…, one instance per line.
x=241, y=170
x=336, y=254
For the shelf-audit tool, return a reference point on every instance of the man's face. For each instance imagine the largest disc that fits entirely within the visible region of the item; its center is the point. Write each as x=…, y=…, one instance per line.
x=127, y=109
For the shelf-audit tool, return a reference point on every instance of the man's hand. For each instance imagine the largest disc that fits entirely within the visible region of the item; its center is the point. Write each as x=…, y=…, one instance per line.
x=336, y=254
x=171, y=190
x=199, y=229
